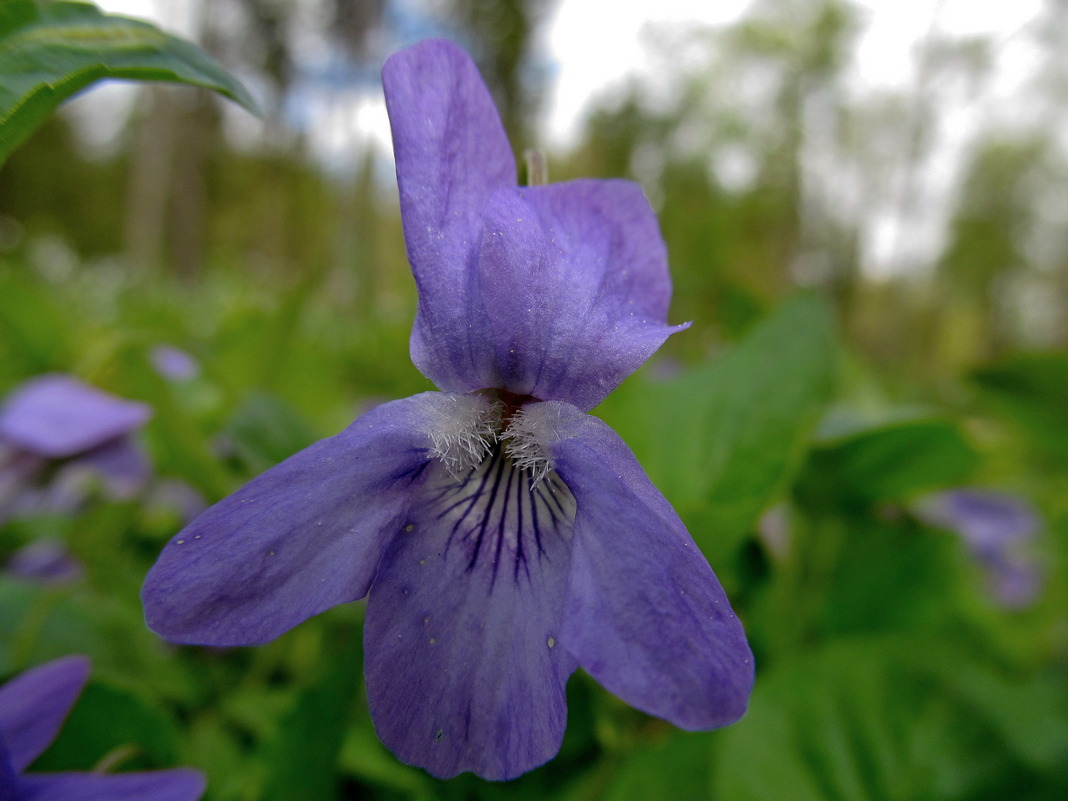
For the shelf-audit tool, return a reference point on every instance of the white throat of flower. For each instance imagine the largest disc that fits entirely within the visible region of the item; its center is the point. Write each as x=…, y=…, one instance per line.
x=523, y=444
x=471, y=425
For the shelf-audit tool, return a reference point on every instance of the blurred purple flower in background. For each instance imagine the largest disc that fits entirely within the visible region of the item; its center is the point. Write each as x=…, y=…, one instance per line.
x=45, y=561
x=59, y=436
x=33, y=706
x=996, y=528
x=174, y=363
x=503, y=536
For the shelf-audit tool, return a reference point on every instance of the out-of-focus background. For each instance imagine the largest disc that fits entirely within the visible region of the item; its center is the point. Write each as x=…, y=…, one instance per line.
x=866, y=428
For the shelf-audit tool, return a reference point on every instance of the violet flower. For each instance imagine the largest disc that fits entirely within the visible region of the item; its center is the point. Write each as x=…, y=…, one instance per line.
x=57, y=436
x=502, y=536
x=45, y=561
x=174, y=363
x=995, y=527
x=33, y=706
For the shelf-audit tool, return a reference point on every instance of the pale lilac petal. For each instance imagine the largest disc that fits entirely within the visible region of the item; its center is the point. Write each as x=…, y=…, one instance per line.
x=174, y=363
x=45, y=561
x=464, y=671
x=304, y=536
x=451, y=153
x=574, y=279
x=645, y=615
x=121, y=465
x=34, y=704
x=987, y=520
x=180, y=784
x=58, y=416
x=1015, y=581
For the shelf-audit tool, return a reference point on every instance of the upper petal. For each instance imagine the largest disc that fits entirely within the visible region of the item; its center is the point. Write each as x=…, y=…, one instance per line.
x=180, y=784
x=451, y=153
x=575, y=282
x=34, y=704
x=464, y=672
x=58, y=416
x=302, y=537
x=645, y=615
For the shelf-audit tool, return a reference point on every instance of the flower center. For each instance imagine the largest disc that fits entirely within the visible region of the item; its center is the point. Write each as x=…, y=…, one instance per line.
x=473, y=425
x=502, y=513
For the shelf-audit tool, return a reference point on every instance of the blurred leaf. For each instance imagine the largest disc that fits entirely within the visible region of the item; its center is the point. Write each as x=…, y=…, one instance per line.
x=105, y=720
x=675, y=768
x=893, y=461
x=1030, y=716
x=265, y=430
x=897, y=559
x=880, y=719
x=722, y=440
x=50, y=51
x=364, y=757
x=1032, y=391
x=303, y=757
x=39, y=623
x=35, y=332
x=212, y=746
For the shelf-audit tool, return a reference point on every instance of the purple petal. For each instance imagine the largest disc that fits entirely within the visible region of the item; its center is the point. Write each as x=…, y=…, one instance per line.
x=574, y=278
x=645, y=615
x=464, y=671
x=451, y=153
x=34, y=704
x=121, y=464
x=174, y=363
x=46, y=561
x=180, y=784
x=9, y=783
x=987, y=520
x=304, y=536
x=59, y=416
x=1015, y=581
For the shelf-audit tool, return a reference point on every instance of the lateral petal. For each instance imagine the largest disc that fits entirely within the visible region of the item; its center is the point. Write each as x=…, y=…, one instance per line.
x=302, y=537
x=645, y=615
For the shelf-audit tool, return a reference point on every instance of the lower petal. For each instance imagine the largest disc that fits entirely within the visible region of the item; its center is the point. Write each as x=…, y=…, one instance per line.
x=304, y=536
x=645, y=615
x=464, y=671
x=180, y=784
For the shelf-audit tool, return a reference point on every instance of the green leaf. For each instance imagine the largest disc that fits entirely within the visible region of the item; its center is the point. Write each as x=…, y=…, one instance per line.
x=303, y=757
x=265, y=430
x=112, y=723
x=675, y=767
x=51, y=51
x=892, y=462
x=722, y=440
x=1032, y=391
x=887, y=719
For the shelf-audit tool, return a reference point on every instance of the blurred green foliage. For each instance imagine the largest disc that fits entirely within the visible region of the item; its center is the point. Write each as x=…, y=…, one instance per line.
x=794, y=427
x=51, y=51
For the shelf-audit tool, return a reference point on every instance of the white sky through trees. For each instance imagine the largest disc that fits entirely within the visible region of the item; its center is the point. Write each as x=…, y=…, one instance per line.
x=585, y=54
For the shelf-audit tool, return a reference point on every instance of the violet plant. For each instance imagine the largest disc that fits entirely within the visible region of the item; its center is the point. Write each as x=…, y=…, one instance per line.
x=33, y=707
x=60, y=438
x=502, y=535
